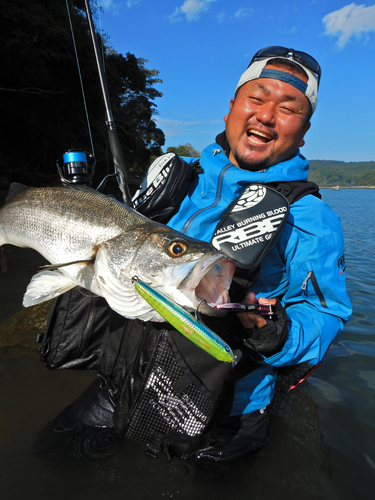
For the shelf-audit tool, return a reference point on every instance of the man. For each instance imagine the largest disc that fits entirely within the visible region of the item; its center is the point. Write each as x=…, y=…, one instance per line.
x=302, y=276
x=265, y=127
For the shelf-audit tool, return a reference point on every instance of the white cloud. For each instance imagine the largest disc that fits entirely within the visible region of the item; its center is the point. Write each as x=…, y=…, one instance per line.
x=239, y=15
x=351, y=20
x=175, y=17
x=130, y=3
x=112, y=6
x=244, y=12
x=191, y=9
x=115, y=5
x=221, y=17
x=108, y=4
x=169, y=121
x=176, y=127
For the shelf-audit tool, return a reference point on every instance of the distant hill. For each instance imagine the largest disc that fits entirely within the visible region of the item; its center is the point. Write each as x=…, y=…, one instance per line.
x=331, y=173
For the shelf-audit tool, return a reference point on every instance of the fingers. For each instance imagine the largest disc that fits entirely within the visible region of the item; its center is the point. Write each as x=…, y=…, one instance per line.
x=250, y=298
x=263, y=300
x=250, y=320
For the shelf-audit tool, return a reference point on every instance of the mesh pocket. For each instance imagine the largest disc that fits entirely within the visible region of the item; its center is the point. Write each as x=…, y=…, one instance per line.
x=164, y=411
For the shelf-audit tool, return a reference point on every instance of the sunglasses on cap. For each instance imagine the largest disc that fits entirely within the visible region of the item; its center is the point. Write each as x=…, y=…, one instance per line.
x=296, y=55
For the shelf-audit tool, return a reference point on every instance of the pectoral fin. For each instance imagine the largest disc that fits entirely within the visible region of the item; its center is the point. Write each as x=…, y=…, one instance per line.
x=46, y=285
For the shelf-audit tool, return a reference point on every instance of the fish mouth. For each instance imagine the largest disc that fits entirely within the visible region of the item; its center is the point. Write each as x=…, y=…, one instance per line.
x=208, y=284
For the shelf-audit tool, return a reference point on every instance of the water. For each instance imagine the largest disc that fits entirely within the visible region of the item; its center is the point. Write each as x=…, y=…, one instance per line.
x=322, y=435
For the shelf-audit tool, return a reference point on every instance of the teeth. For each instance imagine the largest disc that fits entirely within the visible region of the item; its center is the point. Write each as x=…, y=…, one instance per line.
x=256, y=132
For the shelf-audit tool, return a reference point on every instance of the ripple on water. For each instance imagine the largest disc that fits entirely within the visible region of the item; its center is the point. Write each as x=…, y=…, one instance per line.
x=364, y=347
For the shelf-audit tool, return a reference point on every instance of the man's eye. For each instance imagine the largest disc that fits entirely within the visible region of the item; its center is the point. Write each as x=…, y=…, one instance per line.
x=285, y=109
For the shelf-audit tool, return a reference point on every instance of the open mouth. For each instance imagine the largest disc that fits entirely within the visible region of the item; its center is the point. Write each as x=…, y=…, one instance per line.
x=211, y=288
x=256, y=137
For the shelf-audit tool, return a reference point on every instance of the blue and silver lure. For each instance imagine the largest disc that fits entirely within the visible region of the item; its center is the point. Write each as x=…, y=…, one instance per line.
x=186, y=324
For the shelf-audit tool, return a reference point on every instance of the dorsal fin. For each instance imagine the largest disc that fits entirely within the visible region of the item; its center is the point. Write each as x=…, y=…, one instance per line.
x=15, y=189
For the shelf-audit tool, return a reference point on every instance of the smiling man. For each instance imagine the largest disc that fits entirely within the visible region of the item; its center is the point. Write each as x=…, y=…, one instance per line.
x=268, y=118
x=301, y=275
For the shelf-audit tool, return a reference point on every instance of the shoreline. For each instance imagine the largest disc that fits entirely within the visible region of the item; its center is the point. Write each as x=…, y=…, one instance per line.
x=346, y=187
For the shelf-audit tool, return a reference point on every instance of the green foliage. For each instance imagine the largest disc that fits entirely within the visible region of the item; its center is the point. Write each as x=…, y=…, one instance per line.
x=42, y=112
x=330, y=173
x=184, y=150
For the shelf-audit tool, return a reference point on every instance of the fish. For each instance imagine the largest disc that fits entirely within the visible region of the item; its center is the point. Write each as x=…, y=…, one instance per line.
x=93, y=241
x=185, y=323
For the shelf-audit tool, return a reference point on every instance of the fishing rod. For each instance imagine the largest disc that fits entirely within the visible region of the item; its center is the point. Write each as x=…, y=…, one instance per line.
x=114, y=143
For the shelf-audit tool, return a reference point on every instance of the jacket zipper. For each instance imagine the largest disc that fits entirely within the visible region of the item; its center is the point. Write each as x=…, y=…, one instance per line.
x=311, y=276
x=218, y=194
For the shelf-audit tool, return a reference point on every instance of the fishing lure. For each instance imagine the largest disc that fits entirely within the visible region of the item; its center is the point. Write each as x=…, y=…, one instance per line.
x=186, y=324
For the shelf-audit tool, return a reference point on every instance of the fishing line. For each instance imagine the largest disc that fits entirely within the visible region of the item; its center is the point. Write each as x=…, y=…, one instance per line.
x=80, y=78
x=101, y=37
x=102, y=50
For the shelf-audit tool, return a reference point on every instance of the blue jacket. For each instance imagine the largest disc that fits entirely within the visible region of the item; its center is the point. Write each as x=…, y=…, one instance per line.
x=306, y=267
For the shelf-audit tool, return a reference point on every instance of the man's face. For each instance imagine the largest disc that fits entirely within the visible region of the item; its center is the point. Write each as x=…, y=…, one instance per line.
x=266, y=123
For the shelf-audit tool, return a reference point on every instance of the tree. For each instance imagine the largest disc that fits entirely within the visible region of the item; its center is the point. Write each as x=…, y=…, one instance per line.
x=42, y=111
x=132, y=84
x=331, y=172
x=184, y=150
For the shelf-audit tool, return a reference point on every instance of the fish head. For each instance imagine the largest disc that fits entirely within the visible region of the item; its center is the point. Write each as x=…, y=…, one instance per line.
x=188, y=271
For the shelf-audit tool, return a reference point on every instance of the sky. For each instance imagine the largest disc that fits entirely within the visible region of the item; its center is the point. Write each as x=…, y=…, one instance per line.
x=201, y=48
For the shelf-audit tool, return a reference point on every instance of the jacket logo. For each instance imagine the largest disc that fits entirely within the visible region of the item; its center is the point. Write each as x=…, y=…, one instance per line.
x=341, y=264
x=251, y=196
x=249, y=234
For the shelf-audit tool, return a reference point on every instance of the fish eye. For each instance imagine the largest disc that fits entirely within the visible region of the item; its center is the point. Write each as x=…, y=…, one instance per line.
x=177, y=248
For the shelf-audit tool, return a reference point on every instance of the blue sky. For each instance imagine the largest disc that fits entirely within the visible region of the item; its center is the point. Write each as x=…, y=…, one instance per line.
x=201, y=48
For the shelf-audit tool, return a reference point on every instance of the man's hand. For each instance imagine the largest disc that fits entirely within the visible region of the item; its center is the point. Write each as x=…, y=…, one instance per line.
x=261, y=335
x=251, y=320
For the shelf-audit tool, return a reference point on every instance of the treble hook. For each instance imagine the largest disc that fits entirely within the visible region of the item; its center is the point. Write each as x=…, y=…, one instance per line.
x=197, y=313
